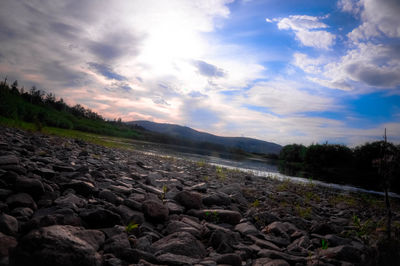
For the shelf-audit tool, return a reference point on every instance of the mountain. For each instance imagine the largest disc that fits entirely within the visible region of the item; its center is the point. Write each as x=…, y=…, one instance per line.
x=246, y=144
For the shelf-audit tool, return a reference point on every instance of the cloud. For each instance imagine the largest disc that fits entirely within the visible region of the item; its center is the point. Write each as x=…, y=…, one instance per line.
x=379, y=18
x=308, y=29
x=365, y=67
x=350, y=6
x=106, y=71
x=208, y=70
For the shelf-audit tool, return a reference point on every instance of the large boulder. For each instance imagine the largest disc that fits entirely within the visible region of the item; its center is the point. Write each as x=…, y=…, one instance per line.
x=59, y=245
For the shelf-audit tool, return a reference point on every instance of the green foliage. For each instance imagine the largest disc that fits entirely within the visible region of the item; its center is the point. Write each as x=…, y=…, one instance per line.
x=164, y=189
x=212, y=216
x=131, y=226
x=324, y=244
x=256, y=203
x=220, y=172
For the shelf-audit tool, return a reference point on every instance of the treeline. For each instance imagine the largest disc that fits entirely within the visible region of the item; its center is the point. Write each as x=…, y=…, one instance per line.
x=44, y=109
x=359, y=166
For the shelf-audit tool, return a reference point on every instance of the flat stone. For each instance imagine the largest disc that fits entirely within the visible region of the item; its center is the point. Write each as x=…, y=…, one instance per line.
x=83, y=188
x=100, y=218
x=229, y=259
x=346, y=253
x=71, y=198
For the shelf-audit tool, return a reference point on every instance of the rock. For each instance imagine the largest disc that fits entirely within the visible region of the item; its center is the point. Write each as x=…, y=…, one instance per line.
x=201, y=187
x=273, y=254
x=174, y=208
x=22, y=214
x=279, y=229
x=130, y=216
x=21, y=200
x=223, y=240
x=100, y=218
x=155, y=210
x=29, y=185
x=71, y=198
x=8, y=224
x=8, y=159
x=346, y=253
x=180, y=243
x=62, y=168
x=174, y=259
x=246, y=229
x=264, y=243
x=7, y=243
x=110, y=197
x=270, y=262
x=229, y=259
x=83, y=188
x=152, y=178
x=117, y=244
x=190, y=200
x=4, y=193
x=322, y=228
x=45, y=172
x=120, y=189
x=177, y=226
x=133, y=204
x=218, y=199
x=55, y=245
x=217, y=215
x=300, y=246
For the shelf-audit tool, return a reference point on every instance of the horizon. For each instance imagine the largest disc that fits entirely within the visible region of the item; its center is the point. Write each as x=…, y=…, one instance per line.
x=284, y=72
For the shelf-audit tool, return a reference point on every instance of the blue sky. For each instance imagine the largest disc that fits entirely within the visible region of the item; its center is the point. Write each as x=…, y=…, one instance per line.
x=282, y=71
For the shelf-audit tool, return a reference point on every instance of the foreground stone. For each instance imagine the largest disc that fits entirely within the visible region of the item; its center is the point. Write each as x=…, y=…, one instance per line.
x=59, y=245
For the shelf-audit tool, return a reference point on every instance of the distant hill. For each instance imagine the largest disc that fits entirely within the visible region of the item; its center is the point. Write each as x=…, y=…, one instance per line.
x=245, y=144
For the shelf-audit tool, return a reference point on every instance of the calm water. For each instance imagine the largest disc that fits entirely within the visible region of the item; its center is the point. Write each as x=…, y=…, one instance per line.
x=265, y=168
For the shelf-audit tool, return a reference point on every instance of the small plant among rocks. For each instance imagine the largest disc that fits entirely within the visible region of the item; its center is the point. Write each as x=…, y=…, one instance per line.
x=131, y=226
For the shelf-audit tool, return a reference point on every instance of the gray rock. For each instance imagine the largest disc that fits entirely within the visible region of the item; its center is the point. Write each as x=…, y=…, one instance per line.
x=45, y=172
x=155, y=210
x=174, y=208
x=9, y=159
x=223, y=241
x=55, y=245
x=190, y=200
x=117, y=244
x=264, y=243
x=273, y=254
x=22, y=214
x=246, y=229
x=8, y=224
x=180, y=243
x=130, y=216
x=177, y=226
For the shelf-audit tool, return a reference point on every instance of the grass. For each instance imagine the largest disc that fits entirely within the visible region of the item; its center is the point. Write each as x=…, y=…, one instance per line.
x=220, y=172
x=109, y=142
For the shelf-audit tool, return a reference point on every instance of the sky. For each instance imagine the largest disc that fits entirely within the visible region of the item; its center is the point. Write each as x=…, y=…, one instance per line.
x=292, y=71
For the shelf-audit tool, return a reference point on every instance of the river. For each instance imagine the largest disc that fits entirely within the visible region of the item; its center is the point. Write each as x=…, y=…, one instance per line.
x=265, y=168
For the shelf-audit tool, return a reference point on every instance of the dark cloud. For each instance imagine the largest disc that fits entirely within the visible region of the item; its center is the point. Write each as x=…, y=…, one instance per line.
x=62, y=74
x=105, y=71
x=374, y=75
x=208, y=70
x=64, y=30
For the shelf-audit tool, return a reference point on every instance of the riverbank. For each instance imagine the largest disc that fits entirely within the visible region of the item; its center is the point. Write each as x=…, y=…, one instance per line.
x=69, y=202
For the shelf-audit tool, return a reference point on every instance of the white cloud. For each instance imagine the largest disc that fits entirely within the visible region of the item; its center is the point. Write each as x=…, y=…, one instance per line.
x=350, y=6
x=379, y=18
x=308, y=29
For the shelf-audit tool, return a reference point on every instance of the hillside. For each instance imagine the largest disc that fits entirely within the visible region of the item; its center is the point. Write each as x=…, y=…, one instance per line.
x=245, y=144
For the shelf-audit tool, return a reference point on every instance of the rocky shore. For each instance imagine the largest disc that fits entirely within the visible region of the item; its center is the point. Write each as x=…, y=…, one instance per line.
x=67, y=202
